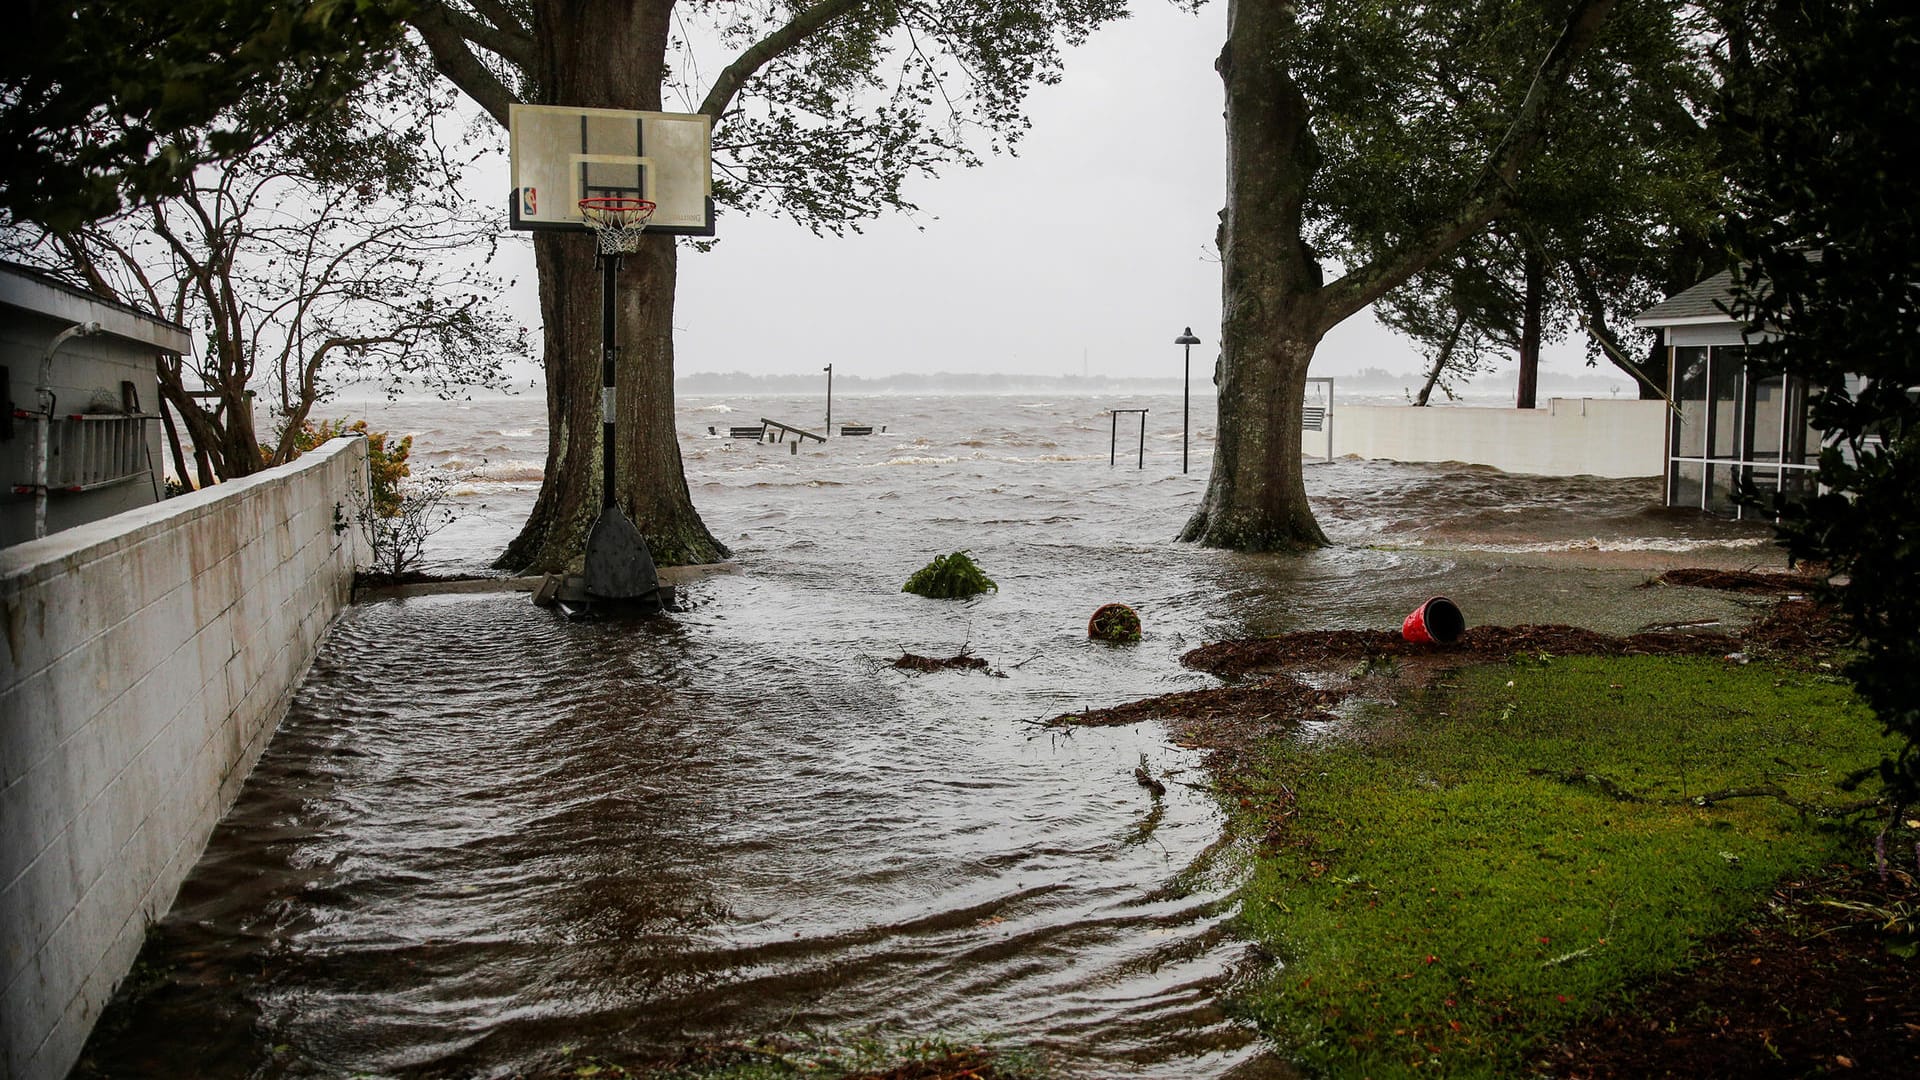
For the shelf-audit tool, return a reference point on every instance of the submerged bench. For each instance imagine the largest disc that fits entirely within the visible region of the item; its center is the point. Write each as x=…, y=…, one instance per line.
x=781, y=431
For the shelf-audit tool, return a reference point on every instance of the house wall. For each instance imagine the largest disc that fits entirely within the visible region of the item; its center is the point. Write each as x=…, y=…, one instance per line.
x=147, y=659
x=1570, y=437
x=86, y=375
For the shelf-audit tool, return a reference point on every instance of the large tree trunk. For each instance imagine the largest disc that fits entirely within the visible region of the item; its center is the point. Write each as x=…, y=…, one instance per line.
x=1256, y=499
x=1527, y=394
x=1276, y=309
x=607, y=54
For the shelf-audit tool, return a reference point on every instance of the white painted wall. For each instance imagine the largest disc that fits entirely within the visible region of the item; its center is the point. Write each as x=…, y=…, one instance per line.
x=1569, y=437
x=147, y=659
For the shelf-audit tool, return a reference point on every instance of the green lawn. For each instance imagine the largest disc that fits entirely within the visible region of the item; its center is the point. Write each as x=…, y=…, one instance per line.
x=1465, y=873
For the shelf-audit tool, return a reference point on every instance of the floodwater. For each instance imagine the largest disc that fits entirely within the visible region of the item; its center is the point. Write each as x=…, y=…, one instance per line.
x=485, y=839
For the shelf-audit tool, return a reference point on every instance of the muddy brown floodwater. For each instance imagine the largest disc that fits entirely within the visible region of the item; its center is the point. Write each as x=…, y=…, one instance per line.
x=484, y=837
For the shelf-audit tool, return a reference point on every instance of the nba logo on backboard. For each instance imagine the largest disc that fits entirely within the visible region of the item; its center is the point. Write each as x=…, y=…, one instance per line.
x=529, y=202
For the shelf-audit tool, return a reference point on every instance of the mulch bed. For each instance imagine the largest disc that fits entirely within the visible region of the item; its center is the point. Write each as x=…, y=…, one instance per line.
x=1806, y=990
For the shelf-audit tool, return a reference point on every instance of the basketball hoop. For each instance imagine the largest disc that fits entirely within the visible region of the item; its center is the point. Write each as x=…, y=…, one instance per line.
x=617, y=222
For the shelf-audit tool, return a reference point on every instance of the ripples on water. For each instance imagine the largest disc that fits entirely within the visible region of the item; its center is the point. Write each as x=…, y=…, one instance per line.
x=483, y=835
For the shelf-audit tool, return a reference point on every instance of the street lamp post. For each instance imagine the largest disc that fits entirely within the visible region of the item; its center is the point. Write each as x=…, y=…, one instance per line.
x=1187, y=341
x=829, y=399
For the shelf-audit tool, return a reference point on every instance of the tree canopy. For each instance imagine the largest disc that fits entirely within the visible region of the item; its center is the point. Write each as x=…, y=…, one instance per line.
x=106, y=100
x=1612, y=216
x=339, y=249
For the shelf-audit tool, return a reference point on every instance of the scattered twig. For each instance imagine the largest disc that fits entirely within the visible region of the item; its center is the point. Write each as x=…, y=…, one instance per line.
x=1612, y=790
x=1619, y=793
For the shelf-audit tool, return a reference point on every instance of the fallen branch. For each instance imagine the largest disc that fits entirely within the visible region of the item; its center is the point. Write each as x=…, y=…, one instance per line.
x=959, y=661
x=1608, y=787
x=1774, y=791
x=1619, y=793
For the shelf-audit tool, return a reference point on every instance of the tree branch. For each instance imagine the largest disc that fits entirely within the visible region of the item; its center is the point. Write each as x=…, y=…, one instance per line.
x=507, y=40
x=1491, y=192
x=763, y=52
x=454, y=58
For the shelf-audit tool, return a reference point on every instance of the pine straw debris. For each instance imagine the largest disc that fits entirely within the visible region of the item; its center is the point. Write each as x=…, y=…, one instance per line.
x=1311, y=650
x=1810, y=988
x=960, y=661
x=1795, y=631
x=1743, y=581
x=1271, y=693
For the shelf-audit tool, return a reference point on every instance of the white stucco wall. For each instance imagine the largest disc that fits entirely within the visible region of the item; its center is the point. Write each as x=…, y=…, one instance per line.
x=1567, y=437
x=147, y=659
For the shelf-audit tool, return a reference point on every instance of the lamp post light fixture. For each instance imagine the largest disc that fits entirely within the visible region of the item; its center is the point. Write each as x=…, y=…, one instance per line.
x=829, y=370
x=1187, y=341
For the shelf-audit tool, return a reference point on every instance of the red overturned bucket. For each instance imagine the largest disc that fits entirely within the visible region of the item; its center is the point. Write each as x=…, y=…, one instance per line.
x=1438, y=620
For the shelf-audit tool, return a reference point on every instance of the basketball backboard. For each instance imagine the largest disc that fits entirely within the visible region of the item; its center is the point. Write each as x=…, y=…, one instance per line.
x=561, y=154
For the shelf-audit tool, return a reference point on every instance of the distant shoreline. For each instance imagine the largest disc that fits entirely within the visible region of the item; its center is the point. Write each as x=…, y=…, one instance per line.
x=1372, y=383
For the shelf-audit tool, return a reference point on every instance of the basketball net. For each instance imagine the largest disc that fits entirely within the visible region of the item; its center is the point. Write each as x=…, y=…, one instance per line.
x=617, y=223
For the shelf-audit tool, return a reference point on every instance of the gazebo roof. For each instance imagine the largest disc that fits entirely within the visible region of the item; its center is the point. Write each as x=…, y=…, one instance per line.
x=1692, y=307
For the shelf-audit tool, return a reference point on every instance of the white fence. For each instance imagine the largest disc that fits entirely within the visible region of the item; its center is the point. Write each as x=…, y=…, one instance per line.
x=1569, y=437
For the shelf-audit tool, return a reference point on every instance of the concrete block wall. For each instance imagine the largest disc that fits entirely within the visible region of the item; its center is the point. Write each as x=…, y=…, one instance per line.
x=1569, y=437
x=147, y=659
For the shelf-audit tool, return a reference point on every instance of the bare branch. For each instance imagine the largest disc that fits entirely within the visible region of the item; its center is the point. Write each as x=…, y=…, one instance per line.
x=767, y=49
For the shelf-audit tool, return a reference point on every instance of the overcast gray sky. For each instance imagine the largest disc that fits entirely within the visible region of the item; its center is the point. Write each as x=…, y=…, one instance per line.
x=1094, y=246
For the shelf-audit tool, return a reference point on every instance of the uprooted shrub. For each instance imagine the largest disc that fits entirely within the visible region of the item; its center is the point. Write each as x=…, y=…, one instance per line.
x=949, y=577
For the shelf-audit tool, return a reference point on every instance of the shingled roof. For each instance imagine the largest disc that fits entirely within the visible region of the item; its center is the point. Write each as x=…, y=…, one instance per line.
x=1699, y=304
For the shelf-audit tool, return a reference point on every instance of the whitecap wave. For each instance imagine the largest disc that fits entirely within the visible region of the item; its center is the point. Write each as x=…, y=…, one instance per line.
x=510, y=470
x=920, y=461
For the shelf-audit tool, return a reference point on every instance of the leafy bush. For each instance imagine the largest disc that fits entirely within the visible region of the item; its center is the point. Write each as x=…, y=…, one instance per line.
x=949, y=577
x=1826, y=226
x=386, y=465
x=396, y=518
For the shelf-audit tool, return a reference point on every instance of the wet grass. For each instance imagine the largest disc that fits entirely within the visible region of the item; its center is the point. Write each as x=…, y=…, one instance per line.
x=1454, y=880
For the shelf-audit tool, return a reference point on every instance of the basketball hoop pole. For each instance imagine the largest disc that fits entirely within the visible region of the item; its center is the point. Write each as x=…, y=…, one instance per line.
x=609, y=367
x=618, y=222
x=619, y=568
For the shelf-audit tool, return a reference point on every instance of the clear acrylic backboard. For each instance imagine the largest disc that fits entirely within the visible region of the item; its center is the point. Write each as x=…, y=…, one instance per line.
x=561, y=154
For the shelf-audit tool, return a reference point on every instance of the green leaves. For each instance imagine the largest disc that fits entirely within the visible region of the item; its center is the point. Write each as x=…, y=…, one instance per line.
x=949, y=577
x=111, y=100
x=829, y=131
x=1827, y=225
